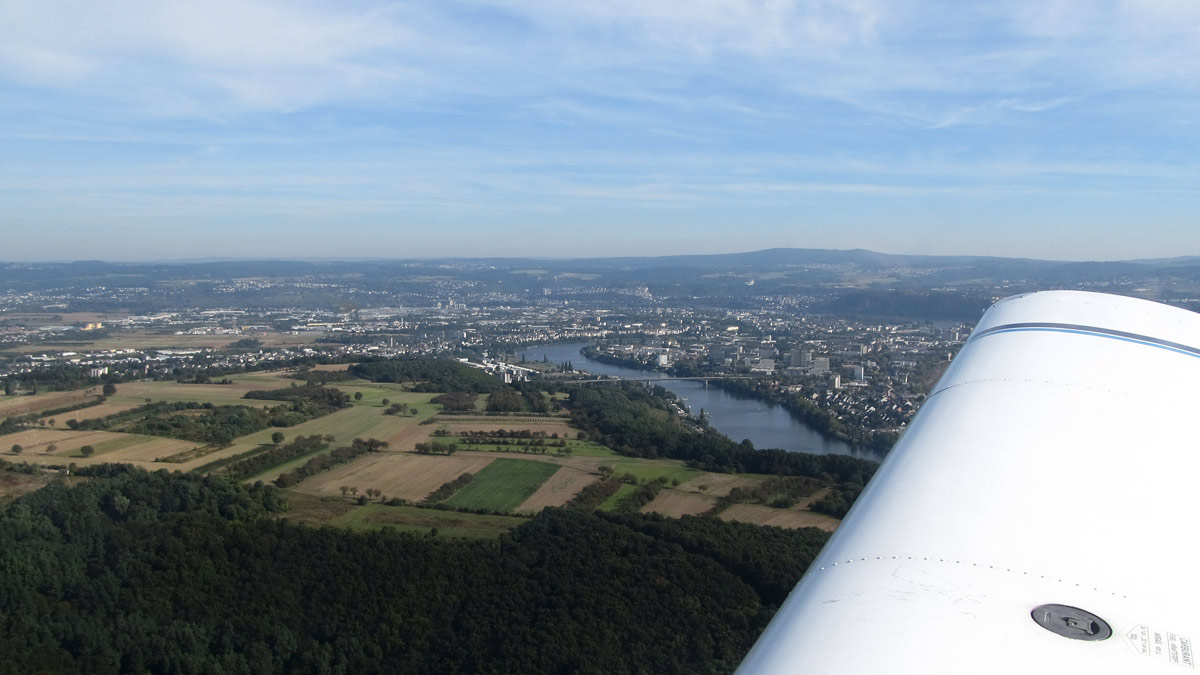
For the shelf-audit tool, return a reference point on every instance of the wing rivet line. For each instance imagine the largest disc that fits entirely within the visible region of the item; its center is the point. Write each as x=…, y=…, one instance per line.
x=991, y=567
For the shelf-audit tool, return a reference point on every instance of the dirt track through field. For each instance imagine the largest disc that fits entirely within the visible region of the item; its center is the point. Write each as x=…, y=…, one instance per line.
x=558, y=490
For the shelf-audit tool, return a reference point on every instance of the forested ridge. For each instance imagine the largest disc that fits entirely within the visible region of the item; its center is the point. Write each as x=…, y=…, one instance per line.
x=132, y=571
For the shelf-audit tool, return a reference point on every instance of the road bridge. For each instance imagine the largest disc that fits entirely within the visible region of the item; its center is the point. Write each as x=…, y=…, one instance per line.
x=705, y=379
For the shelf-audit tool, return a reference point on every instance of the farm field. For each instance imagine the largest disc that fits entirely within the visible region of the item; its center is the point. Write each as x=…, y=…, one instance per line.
x=144, y=450
x=405, y=475
x=621, y=493
x=591, y=449
x=137, y=393
x=147, y=340
x=14, y=484
x=677, y=503
x=109, y=446
x=11, y=406
x=719, y=484
x=424, y=521
x=588, y=464
x=268, y=379
x=217, y=394
x=157, y=341
x=503, y=485
x=60, y=318
x=94, y=412
x=549, y=425
x=648, y=470
x=765, y=515
x=506, y=479
x=345, y=425
x=558, y=490
x=374, y=393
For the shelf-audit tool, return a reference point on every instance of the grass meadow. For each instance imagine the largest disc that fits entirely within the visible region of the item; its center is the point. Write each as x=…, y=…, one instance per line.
x=503, y=485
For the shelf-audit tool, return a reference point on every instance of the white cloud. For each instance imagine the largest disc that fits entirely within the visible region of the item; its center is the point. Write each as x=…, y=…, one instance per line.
x=234, y=55
x=483, y=107
x=237, y=56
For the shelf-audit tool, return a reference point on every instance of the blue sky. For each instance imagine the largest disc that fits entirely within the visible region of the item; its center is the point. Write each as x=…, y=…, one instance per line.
x=135, y=130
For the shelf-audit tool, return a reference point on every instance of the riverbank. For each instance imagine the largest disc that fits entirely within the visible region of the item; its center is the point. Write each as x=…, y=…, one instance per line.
x=739, y=417
x=594, y=354
x=821, y=421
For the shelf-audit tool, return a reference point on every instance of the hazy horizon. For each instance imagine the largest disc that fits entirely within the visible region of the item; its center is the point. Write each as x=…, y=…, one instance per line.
x=315, y=259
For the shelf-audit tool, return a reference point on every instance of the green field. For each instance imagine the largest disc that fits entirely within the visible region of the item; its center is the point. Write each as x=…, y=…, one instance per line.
x=374, y=393
x=422, y=521
x=500, y=487
x=648, y=471
x=611, y=503
x=503, y=485
x=590, y=449
x=344, y=425
x=125, y=441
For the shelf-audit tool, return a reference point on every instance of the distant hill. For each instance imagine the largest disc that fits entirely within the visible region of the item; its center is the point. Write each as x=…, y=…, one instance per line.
x=855, y=281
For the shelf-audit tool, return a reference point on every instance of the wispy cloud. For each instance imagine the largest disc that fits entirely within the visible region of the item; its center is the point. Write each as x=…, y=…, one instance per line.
x=474, y=109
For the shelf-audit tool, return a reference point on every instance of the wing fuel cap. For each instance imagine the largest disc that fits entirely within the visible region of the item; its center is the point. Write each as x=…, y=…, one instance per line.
x=1071, y=622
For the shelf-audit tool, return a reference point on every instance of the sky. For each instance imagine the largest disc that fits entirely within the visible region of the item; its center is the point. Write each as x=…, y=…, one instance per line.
x=160, y=130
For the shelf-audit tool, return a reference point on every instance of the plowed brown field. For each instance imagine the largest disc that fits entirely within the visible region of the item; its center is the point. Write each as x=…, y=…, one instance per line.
x=676, y=503
x=403, y=475
x=560, y=489
x=765, y=515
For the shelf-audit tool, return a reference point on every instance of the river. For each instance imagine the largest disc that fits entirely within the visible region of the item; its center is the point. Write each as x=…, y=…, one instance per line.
x=766, y=425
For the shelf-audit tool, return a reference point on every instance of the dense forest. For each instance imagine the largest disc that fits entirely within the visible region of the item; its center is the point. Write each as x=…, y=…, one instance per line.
x=308, y=401
x=132, y=571
x=431, y=375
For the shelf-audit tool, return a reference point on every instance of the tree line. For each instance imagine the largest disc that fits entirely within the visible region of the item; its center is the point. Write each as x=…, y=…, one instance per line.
x=343, y=455
x=271, y=456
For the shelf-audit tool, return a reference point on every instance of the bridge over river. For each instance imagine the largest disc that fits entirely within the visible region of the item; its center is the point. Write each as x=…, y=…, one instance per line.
x=667, y=378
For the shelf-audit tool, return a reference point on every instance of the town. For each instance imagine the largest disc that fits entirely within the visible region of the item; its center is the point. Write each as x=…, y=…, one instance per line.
x=869, y=375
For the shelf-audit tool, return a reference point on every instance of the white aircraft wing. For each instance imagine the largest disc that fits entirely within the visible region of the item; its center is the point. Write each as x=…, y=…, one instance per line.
x=1040, y=515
